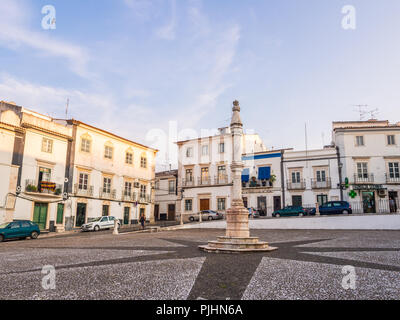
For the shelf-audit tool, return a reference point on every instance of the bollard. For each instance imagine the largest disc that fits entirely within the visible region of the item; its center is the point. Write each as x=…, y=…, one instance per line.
x=115, y=227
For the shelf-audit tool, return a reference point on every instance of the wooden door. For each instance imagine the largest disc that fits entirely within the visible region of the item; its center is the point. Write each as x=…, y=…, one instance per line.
x=40, y=215
x=171, y=212
x=80, y=214
x=204, y=204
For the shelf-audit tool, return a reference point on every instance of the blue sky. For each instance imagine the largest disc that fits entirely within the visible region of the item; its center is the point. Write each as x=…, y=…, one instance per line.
x=131, y=66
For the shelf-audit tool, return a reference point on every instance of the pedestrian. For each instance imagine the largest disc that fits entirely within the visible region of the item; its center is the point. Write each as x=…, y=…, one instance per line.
x=142, y=220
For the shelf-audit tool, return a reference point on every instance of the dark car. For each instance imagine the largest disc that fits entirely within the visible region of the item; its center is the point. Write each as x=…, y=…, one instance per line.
x=19, y=230
x=290, y=211
x=335, y=207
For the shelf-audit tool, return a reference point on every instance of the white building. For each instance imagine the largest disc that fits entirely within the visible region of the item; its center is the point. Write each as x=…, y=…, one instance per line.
x=261, y=181
x=166, y=195
x=109, y=176
x=205, y=180
x=370, y=155
x=311, y=177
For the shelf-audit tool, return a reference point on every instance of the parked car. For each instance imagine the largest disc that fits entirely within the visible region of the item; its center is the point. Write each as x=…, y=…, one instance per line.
x=310, y=211
x=290, y=211
x=253, y=213
x=335, y=207
x=100, y=223
x=207, y=215
x=19, y=229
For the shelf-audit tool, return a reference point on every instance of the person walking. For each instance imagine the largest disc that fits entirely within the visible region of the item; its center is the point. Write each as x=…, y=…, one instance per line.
x=142, y=220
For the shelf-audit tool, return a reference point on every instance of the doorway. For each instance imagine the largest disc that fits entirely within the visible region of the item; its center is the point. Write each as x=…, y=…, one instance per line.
x=156, y=212
x=127, y=211
x=277, y=203
x=262, y=205
x=368, y=198
x=322, y=199
x=80, y=214
x=204, y=204
x=393, y=198
x=297, y=201
x=40, y=215
x=171, y=212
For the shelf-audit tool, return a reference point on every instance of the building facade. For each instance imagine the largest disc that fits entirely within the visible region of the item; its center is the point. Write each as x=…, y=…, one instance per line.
x=311, y=177
x=166, y=196
x=370, y=157
x=204, y=173
x=60, y=173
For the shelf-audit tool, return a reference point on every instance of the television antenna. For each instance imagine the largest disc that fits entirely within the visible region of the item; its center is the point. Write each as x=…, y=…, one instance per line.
x=361, y=110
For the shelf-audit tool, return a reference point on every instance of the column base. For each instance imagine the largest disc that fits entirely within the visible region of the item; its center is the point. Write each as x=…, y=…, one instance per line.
x=237, y=245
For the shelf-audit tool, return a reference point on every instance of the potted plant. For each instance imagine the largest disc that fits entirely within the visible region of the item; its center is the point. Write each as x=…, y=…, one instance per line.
x=57, y=191
x=272, y=179
x=31, y=188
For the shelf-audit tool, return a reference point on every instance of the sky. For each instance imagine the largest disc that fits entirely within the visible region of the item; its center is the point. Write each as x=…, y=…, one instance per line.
x=157, y=70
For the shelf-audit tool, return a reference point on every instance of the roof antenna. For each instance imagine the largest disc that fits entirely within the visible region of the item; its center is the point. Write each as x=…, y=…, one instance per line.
x=66, y=109
x=361, y=110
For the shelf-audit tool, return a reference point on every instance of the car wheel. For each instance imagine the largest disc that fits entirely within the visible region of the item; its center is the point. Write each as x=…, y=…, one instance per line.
x=96, y=228
x=301, y=214
x=191, y=219
x=1, y=238
x=210, y=218
x=34, y=235
x=345, y=212
x=277, y=215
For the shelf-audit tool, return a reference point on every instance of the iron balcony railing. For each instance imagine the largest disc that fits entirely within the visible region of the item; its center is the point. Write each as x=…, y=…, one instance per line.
x=257, y=184
x=83, y=191
x=221, y=179
x=318, y=184
x=107, y=193
x=296, y=185
x=392, y=178
x=144, y=198
x=203, y=181
x=364, y=178
x=129, y=196
x=188, y=182
x=45, y=187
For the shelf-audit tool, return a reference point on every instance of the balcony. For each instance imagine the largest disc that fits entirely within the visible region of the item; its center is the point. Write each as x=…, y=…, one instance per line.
x=221, y=179
x=300, y=185
x=43, y=187
x=129, y=196
x=392, y=179
x=257, y=184
x=188, y=182
x=203, y=181
x=144, y=198
x=108, y=194
x=364, y=178
x=83, y=191
x=316, y=184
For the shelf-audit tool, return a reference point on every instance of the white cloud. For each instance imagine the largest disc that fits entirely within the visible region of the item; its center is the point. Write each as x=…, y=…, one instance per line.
x=167, y=32
x=14, y=33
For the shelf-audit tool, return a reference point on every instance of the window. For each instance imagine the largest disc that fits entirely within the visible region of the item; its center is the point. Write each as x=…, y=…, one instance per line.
x=47, y=145
x=85, y=145
x=221, y=171
x=204, y=174
x=296, y=177
x=188, y=205
x=221, y=147
x=321, y=175
x=189, y=175
x=171, y=186
x=394, y=170
x=221, y=204
x=129, y=158
x=108, y=152
x=204, y=150
x=143, y=162
x=128, y=188
x=44, y=174
x=359, y=141
x=189, y=152
x=106, y=185
x=391, y=140
x=83, y=181
x=362, y=170
x=142, y=191
x=322, y=199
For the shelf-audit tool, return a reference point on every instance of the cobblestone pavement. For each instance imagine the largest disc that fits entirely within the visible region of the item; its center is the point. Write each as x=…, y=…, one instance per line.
x=169, y=265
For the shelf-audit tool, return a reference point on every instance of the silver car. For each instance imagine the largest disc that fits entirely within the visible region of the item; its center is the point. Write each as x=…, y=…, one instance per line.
x=101, y=223
x=207, y=215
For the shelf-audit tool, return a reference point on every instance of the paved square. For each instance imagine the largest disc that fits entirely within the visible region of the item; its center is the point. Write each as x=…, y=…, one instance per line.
x=169, y=265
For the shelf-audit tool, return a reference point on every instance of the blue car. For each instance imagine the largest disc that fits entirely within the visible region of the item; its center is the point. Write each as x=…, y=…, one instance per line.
x=19, y=230
x=335, y=207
